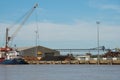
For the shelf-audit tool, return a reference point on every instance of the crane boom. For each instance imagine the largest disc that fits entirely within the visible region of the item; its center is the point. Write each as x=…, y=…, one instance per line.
x=23, y=22
x=8, y=39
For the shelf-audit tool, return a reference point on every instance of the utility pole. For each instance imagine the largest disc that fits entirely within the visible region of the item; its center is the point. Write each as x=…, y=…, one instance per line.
x=37, y=34
x=98, y=56
x=36, y=51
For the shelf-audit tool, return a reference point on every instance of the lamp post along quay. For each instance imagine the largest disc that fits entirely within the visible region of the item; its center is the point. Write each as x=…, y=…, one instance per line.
x=98, y=56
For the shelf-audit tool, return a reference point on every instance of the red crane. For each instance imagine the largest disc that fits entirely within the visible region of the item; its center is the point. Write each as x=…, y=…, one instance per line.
x=8, y=39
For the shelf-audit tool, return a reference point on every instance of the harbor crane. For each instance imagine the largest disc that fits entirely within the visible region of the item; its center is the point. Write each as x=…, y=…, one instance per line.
x=10, y=38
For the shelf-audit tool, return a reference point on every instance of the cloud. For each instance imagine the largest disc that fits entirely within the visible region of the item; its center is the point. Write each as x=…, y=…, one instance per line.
x=63, y=32
x=111, y=7
x=80, y=32
x=103, y=4
x=58, y=32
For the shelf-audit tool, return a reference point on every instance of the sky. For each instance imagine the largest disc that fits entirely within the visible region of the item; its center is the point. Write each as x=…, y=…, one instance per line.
x=62, y=23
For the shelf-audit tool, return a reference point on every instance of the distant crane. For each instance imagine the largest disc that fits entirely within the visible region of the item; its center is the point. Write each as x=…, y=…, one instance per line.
x=10, y=38
x=100, y=48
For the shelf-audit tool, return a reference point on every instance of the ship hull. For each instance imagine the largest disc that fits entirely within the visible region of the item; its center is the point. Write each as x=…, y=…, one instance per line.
x=17, y=61
x=2, y=59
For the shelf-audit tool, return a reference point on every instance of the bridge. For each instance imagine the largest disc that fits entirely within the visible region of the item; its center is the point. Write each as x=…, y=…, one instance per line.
x=78, y=51
x=82, y=50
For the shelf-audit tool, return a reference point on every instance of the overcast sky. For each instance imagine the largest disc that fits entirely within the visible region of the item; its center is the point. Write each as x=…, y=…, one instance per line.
x=63, y=23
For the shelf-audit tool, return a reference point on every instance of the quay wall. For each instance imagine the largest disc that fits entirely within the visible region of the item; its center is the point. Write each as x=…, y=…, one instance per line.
x=101, y=62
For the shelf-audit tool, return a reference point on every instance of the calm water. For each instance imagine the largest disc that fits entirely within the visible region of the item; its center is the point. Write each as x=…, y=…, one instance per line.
x=59, y=72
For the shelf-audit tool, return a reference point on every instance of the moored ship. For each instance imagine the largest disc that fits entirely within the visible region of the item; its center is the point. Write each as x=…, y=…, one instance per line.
x=12, y=57
x=9, y=55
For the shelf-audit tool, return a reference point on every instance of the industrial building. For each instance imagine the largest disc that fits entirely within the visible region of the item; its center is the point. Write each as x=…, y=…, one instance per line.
x=38, y=51
x=83, y=57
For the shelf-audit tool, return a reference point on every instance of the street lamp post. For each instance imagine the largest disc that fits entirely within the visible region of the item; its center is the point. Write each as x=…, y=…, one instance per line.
x=36, y=51
x=98, y=56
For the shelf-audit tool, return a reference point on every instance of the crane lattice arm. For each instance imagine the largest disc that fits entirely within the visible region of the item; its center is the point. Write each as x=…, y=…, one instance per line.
x=23, y=22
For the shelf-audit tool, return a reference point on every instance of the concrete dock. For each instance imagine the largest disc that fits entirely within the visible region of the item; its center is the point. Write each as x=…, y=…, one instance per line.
x=101, y=62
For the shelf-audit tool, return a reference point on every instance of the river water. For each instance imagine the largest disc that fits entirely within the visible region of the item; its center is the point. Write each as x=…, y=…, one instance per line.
x=59, y=72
